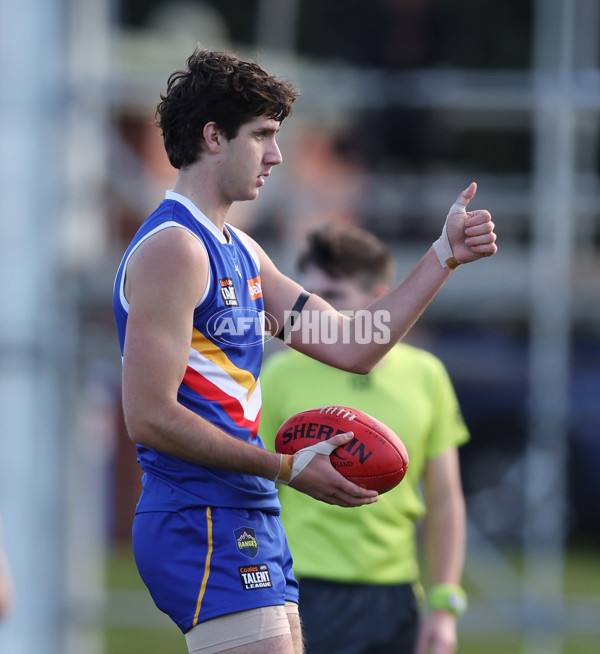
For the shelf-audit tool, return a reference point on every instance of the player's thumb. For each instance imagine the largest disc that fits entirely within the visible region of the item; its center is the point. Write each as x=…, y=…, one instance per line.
x=303, y=457
x=323, y=447
x=463, y=199
x=341, y=439
x=327, y=447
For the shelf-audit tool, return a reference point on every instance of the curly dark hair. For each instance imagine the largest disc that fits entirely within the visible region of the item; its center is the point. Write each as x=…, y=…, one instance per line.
x=348, y=252
x=219, y=87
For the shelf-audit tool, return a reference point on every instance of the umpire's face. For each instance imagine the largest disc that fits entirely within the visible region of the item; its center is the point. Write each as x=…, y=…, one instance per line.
x=346, y=294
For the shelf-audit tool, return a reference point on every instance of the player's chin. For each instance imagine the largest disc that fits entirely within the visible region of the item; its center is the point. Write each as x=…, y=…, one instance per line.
x=249, y=194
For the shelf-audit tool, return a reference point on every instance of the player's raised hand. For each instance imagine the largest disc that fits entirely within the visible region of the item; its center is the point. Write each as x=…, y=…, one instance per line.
x=467, y=235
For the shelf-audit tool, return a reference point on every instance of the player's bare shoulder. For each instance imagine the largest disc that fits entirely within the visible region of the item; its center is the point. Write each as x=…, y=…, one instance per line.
x=171, y=257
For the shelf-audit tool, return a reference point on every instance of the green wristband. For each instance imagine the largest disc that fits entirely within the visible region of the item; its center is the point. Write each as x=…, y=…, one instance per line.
x=448, y=597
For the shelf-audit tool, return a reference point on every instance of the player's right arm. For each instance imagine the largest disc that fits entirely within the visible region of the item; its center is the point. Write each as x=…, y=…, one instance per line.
x=165, y=279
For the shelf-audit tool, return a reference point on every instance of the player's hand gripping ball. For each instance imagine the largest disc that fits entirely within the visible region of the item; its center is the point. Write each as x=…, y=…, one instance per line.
x=375, y=458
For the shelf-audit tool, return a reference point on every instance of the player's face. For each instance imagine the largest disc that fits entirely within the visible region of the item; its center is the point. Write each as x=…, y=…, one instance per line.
x=342, y=294
x=248, y=159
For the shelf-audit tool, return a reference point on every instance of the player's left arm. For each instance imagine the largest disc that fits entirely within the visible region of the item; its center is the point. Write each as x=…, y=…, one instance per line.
x=400, y=309
x=446, y=542
x=467, y=236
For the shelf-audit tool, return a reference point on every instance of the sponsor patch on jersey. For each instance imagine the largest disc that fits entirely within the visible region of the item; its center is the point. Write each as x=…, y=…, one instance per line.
x=228, y=292
x=255, y=577
x=255, y=288
x=245, y=538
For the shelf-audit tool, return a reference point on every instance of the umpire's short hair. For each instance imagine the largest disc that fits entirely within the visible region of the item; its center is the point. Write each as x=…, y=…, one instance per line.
x=348, y=252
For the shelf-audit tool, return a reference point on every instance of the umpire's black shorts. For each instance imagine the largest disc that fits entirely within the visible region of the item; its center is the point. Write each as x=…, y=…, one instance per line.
x=340, y=618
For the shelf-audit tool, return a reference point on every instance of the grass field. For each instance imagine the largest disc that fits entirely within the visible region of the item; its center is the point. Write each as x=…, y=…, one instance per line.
x=134, y=625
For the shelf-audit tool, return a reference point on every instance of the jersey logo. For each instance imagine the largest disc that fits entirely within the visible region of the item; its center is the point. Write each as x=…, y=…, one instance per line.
x=255, y=288
x=245, y=538
x=255, y=576
x=228, y=292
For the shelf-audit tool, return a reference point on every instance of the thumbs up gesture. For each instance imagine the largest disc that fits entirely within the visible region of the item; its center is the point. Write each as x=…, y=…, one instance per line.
x=467, y=235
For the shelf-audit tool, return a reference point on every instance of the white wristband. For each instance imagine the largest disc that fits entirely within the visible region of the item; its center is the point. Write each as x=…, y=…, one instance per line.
x=288, y=470
x=442, y=246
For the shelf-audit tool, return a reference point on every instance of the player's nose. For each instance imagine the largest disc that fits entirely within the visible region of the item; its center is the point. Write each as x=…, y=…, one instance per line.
x=273, y=155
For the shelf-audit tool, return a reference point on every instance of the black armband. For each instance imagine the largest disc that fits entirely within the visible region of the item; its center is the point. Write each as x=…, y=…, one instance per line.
x=294, y=315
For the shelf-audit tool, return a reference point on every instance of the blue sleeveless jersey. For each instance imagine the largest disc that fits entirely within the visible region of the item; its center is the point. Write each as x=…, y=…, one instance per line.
x=221, y=382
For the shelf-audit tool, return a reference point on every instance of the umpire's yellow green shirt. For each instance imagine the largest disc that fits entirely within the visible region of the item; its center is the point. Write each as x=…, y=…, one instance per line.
x=409, y=391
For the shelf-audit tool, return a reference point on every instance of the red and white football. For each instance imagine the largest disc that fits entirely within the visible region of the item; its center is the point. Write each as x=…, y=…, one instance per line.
x=375, y=458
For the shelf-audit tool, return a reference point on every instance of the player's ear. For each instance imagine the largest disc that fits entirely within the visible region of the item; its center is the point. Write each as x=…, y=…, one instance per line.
x=212, y=137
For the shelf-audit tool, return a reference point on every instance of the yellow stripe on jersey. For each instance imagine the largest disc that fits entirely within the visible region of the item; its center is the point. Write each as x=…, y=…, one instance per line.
x=206, y=565
x=214, y=353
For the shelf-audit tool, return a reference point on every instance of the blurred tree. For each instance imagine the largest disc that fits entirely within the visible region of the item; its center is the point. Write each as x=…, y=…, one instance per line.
x=238, y=14
x=400, y=34
x=393, y=34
